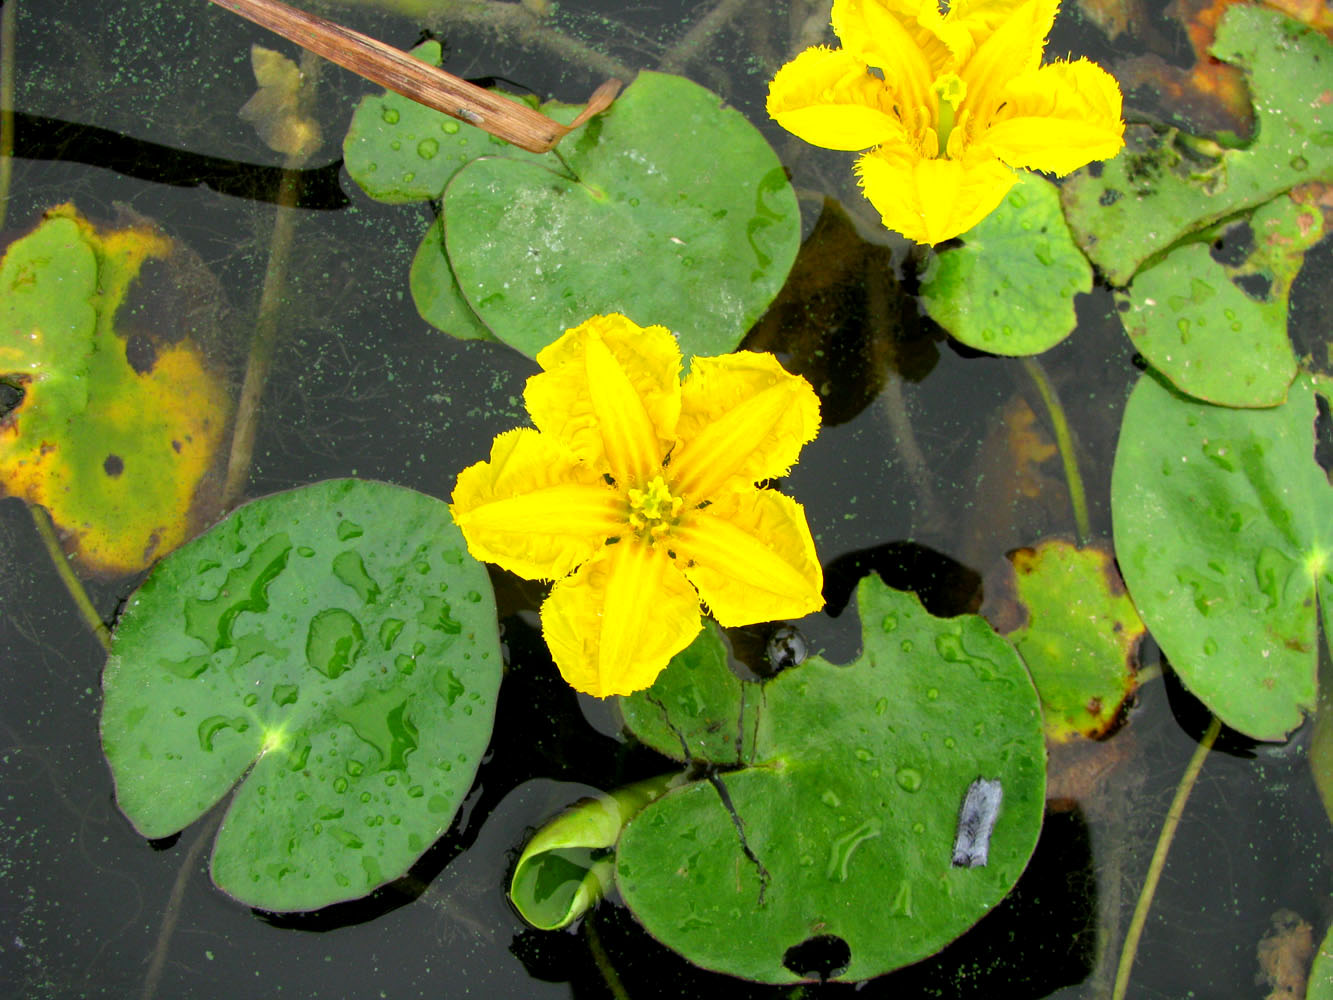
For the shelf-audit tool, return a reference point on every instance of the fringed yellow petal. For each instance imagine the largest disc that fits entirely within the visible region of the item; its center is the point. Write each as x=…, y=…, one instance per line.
x=1014, y=48
x=615, y=624
x=1058, y=118
x=743, y=418
x=610, y=390
x=889, y=35
x=932, y=200
x=971, y=22
x=827, y=97
x=534, y=508
x=752, y=558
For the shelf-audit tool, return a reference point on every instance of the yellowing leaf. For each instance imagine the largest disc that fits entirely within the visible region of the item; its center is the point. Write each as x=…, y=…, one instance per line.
x=115, y=452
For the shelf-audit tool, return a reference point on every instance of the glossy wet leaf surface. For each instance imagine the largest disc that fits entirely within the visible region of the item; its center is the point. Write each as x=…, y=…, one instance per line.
x=697, y=710
x=400, y=151
x=850, y=831
x=113, y=448
x=1194, y=320
x=1010, y=288
x=678, y=213
x=1224, y=532
x=1164, y=185
x=1079, y=637
x=332, y=649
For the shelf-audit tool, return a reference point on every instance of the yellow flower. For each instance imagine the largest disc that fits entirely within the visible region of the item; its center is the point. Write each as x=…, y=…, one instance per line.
x=636, y=493
x=946, y=104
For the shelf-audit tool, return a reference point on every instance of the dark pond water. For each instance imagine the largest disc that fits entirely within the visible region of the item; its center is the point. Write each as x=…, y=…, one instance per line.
x=134, y=107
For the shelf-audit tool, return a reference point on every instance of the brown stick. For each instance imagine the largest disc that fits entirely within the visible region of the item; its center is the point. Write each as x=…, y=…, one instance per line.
x=523, y=126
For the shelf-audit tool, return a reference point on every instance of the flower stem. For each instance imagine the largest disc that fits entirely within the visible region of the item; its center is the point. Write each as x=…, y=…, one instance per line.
x=1064, y=440
x=1173, y=814
x=72, y=583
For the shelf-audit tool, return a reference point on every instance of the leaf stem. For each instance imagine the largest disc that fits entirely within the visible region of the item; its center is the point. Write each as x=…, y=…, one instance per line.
x=603, y=961
x=1064, y=440
x=72, y=583
x=1173, y=814
x=171, y=915
x=264, y=340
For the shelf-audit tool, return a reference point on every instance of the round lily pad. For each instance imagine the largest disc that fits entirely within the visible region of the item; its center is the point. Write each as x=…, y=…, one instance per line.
x=1224, y=532
x=669, y=207
x=890, y=804
x=1009, y=289
x=332, y=653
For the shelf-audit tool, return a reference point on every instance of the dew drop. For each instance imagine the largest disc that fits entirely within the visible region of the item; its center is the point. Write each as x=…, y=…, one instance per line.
x=908, y=778
x=427, y=148
x=1299, y=163
x=889, y=623
x=340, y=785
x=449, y=127
x=390, y=115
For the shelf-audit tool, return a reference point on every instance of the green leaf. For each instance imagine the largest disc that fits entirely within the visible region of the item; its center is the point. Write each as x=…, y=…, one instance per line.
x=568, y=864
x=1223, y=530
x=400, y=151
x=698, y=710
x=678, y=213
x=1010, y=288
x=1079, y=638
x=1320, y=984
x=845, y=822
x=115, y=451
x=1164, y=186
x=333, y=650
x=436, y=293
x=1214, y=341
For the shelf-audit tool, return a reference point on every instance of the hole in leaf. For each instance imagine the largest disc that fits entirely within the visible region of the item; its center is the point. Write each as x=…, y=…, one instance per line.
x=10, y=398
x=113, y=465
x=821, y=957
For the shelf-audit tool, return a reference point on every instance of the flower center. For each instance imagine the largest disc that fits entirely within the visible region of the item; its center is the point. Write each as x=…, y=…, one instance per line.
x=652, y=511
x=949, y=91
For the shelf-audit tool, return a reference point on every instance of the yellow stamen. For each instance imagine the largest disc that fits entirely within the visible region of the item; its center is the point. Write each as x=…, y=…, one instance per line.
x=652, y=511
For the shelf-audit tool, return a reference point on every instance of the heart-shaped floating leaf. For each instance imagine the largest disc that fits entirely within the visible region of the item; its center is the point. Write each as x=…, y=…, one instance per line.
x=334, y=650
x=1164, y=186
x=677, y=213
x=1193, y=320
x=1079, y=637
x=889, y=803
x=1224, y=531
x=1010, y=288
x=114, y=450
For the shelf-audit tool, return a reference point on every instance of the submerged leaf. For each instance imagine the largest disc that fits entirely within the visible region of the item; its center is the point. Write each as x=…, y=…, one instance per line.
x=331, y=651
x=855, y=818
x=113, y=441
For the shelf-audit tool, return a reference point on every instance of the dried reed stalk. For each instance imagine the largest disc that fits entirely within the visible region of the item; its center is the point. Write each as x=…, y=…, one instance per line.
x=523, y=126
